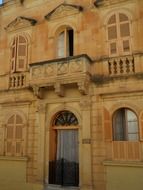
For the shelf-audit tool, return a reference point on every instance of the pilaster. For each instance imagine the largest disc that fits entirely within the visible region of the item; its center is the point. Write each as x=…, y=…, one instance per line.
x=85, y=160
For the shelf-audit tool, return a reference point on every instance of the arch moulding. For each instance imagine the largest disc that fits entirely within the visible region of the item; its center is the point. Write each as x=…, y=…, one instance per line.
x=52, y=114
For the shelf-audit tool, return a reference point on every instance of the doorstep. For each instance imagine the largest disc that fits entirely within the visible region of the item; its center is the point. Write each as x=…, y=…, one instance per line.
x=59, y=187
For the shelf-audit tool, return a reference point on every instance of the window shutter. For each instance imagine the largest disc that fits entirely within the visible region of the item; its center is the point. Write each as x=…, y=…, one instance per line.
x=13, y=55
x=21, y=54
x=141, y=127
x=14, y=136
x=61, y=44
x=9, y=140
x=107, y=126
x=18, y=135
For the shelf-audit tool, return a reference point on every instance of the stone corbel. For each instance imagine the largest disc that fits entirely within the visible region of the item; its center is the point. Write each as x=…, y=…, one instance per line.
x=59, y=89
x=83, y=87
x=38, y=92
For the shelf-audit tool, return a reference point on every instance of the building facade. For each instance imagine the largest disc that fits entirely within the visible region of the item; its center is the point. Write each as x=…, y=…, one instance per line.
x=71, y=95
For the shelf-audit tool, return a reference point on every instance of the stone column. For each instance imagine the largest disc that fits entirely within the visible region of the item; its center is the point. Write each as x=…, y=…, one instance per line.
x=40, y=122
x=85, y=151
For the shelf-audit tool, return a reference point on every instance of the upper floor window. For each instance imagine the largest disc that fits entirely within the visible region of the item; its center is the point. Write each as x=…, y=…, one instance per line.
x=19, y=50
x=119, y=34
x=125, y=125
x=14, y=136
x=65, y=43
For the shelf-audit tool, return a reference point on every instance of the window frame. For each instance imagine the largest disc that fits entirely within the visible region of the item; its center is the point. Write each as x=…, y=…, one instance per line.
x=14, y=140
x=66, y=43
x=15, y=54
x=125, y=132
x=119, y=40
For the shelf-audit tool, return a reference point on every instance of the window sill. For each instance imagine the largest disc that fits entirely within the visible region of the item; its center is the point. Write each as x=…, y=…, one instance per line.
x=13, y=158
x=124, y=163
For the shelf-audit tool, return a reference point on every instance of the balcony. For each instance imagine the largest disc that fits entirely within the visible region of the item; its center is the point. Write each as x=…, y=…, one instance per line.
x=58, y=72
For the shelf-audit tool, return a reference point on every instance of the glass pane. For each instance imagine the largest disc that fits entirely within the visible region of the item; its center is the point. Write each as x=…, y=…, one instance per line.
x=65, y=118
x=122, y=17
x=132, y=137
x=112, y=19
x=124, y=30
x=132, y=127
x=112, y=32
x=119, y=125
x=131, y=116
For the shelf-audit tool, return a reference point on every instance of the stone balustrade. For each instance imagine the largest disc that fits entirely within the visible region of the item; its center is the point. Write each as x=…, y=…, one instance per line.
x=121, y=65
x=17, y=80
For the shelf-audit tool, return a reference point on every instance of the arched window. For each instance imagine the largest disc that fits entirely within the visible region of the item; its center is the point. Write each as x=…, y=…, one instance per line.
x=14, y=136
x=19, y=50
x=118, y=34
x=65, y=43
x=65, y=118
x=125, y=125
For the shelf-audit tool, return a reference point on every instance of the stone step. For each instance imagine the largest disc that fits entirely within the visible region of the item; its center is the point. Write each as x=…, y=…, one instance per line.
x=58, y=187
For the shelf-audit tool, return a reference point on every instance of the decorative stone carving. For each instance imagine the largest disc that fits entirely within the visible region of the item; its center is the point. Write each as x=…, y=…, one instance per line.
x=62, y=68
x=59, y=89
x=83, y=86
x=20, y=22
x=76, y=66
x=38, y=92
x=50, y=70
x=63, y=10
x=37, y=72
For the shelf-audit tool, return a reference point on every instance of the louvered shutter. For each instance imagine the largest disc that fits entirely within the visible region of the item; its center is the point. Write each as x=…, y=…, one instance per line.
x=141, y=127
x=9, y=144
x=13, y=55
x=107, y=125
x=14, y=136
x=124, y=28
x=18, y=135
x=112, y=35
x=21, y=54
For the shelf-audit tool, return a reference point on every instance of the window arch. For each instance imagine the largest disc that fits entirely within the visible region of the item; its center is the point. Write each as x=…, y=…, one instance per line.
x=65, y=43
x=119, y=34
x=125, y=125
x=65, y=118
x=19, y=53
x=14, y=136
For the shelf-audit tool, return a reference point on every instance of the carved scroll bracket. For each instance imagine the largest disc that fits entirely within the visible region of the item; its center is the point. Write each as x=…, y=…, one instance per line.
x=59, y=89
x=38, y=91
x=83, y=87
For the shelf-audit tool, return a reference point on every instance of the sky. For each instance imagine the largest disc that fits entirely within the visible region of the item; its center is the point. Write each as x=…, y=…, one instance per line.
x=0, y=1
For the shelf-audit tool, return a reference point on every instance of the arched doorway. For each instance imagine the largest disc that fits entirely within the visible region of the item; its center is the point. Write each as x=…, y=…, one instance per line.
x=64, y=153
